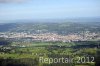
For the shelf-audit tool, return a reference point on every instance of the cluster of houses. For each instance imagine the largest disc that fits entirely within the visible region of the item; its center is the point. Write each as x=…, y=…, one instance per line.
x=50, y=37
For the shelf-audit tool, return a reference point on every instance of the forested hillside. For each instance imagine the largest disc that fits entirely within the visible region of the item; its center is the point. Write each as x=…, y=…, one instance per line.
x=59, y=28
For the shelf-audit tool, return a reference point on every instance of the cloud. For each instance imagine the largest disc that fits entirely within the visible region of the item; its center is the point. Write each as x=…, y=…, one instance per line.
x=12, y=1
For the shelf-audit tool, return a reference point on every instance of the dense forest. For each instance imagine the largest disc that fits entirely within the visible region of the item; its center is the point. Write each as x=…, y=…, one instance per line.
x=29, y=55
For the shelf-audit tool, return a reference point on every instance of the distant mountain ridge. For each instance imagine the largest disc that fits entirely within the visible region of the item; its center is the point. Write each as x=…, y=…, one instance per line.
x=74, y=19
x=48, y=27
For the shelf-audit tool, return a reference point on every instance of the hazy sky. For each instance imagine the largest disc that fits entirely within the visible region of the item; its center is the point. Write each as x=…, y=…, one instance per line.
x=48, y=9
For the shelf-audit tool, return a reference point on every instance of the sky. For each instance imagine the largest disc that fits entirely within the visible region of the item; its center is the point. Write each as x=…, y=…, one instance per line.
x=48, y=9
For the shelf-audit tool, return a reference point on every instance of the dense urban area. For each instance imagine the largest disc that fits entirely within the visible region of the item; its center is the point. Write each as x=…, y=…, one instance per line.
x=28, y=37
